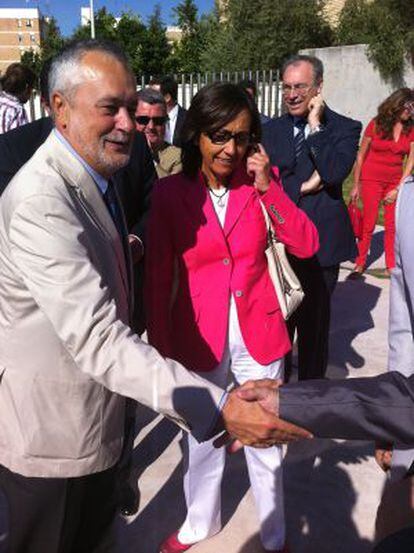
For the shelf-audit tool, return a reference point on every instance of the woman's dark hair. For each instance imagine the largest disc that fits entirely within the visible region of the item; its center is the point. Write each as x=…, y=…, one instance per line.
x=212, y=108
x=17, y=79
x=390, y=110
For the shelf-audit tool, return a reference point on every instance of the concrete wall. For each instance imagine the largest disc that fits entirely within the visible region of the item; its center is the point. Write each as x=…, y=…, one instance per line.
x=352, y=85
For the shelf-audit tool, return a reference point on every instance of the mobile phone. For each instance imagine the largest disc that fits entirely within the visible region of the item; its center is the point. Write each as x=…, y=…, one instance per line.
x=253, y=149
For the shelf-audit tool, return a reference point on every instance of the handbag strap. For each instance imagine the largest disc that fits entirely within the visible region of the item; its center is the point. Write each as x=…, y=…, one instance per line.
x=270, y=232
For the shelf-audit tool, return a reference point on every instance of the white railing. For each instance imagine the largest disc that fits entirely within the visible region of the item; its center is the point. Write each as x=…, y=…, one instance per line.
x=267, y=84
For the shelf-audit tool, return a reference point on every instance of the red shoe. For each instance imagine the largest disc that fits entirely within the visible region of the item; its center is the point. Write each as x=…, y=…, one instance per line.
x=173, y=545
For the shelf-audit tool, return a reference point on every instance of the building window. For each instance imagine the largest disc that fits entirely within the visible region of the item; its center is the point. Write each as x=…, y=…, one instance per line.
x=32, y=37
x=19, y=22
x=20, y=38
x=28, y=23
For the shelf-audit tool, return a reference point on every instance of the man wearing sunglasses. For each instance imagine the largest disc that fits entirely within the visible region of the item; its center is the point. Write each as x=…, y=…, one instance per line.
x=311, y=140
x=151, y=118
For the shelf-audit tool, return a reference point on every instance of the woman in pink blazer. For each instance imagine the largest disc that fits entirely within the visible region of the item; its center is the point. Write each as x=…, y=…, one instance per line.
x=210, y=302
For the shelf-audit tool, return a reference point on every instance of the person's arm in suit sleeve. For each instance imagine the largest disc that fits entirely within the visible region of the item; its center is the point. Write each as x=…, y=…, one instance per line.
x=56, y=260
x=400, y=333
x=159, y=270
x=334, y=152
x=8, y=167
x=292, y=226
x=377, y=408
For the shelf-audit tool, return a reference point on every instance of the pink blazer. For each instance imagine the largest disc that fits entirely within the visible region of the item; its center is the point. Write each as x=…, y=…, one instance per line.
x=193, y=265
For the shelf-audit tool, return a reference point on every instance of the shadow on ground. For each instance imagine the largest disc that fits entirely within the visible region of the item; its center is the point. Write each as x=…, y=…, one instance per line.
x=352, y=305
x=320, y=498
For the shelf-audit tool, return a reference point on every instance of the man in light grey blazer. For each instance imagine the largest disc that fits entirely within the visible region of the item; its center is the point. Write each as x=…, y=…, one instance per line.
x=401, y=318
x=68, y=358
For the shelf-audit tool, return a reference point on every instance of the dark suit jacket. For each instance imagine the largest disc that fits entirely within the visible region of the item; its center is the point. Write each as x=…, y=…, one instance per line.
x=133, y=183
x=332, y=153
x=178, y=126
x=18, y=145
x=377, y=408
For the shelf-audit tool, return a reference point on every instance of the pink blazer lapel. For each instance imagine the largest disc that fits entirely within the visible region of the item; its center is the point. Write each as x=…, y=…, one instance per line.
x=240, y=192
x=201, y=209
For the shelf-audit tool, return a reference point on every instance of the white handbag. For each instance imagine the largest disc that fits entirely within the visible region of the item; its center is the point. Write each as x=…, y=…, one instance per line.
x=287, y=286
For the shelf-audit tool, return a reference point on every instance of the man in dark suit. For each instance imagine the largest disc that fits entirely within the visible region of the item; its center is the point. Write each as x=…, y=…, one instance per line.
x=311, y=140
x=176, y=114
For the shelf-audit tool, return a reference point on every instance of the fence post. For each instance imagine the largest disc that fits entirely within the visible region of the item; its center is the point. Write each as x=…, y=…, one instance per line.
x=270, y=94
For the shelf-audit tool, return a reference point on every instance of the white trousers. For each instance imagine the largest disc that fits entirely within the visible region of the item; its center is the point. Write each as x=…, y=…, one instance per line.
x=204, y=464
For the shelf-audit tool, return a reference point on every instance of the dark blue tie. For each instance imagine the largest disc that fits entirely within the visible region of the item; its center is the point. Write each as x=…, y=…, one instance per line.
x=112, y=204
x=299, y=138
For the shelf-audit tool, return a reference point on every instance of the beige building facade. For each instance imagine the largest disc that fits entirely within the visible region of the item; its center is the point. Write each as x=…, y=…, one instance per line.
x=20, y=30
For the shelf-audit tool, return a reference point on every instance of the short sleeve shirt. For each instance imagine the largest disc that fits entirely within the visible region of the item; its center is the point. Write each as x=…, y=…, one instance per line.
x=385, y=157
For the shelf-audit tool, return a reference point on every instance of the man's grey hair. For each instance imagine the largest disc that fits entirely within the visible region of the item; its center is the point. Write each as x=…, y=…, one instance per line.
x=315, y=62
x=151, y=96
x=66, y=72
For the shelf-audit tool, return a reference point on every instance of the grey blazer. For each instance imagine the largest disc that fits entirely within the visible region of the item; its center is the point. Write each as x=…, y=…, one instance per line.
x=67, y=355
x=401, y=319
x=380, y=408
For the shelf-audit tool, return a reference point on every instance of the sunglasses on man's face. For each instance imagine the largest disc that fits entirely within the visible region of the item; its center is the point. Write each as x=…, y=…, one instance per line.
x=144, y=120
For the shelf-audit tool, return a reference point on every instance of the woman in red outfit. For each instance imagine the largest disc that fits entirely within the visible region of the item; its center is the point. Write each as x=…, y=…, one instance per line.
x=379, y=170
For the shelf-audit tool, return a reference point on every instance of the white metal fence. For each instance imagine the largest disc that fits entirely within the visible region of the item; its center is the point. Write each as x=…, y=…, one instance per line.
x=267, y=84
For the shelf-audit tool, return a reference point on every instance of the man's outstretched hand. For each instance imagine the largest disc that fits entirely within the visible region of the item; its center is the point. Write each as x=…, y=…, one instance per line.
x=251, y=417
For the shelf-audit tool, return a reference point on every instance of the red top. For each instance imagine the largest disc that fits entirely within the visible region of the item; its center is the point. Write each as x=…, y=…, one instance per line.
x=384, y=160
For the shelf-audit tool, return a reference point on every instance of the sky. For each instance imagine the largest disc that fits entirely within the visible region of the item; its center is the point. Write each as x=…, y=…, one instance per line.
x=67, y=12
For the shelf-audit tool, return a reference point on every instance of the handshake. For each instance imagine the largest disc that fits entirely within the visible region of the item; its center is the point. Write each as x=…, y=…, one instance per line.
x=251, y=417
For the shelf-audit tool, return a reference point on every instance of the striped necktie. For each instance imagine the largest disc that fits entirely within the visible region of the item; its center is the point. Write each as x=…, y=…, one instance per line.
x=299, y=138
x=111, y=201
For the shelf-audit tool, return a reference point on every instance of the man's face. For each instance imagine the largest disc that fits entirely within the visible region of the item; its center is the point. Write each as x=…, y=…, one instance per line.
x=97, y=118
x=299, y=88
x=151, y=119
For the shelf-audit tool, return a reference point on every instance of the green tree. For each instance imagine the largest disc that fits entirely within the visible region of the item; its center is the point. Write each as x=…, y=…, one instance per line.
x=386, y=26
x=187, y=52
x=131, y=35
x=105, y=27
x=51, y=43
x=260, y=34
x=32, y=59
x=155, y=50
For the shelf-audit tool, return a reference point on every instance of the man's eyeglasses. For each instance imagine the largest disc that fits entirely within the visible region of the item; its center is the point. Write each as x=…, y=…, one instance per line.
x=144, y=120
x=300, y=88
x=222, y=137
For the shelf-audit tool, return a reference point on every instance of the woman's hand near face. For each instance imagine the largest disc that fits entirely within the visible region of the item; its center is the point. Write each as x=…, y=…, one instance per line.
x=258, y=165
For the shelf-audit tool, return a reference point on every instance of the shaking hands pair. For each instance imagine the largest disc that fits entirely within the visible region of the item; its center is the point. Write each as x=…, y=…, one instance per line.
x=251, y=417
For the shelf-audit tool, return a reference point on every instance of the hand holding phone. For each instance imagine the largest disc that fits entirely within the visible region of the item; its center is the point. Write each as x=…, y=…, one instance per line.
x=316, y=107
x=258, y=165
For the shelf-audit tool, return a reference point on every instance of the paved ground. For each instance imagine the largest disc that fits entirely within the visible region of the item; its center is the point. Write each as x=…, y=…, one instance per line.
x=332, y=488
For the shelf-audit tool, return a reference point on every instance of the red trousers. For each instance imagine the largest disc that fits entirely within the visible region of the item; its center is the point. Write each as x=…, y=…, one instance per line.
x=372, y=194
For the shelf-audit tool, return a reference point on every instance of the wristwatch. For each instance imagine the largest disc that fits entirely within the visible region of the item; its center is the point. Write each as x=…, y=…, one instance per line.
x=314, y=130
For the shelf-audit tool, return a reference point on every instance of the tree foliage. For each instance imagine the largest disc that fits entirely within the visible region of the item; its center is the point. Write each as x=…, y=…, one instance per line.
x=387, y=26
x=52, y=43
x=155, y=50
x=187, y=53
x=260, y=34
x=255, y=34
x=130, y=35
